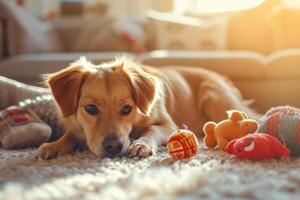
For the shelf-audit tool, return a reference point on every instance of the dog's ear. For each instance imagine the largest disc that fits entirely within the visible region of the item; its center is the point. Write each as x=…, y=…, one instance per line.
x=65, y=86
x=146, y=88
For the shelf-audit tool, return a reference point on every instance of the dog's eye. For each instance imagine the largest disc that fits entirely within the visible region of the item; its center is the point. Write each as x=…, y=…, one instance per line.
x=91, y=109
x=126, y=110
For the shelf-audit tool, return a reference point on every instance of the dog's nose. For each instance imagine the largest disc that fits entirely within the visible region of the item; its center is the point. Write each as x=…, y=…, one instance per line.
x=112, y=146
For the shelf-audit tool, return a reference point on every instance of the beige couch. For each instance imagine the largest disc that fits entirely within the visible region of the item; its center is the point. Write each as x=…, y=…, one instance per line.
x=272, y=80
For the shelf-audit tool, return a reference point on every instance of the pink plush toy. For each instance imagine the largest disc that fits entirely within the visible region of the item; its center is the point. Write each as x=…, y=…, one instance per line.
x=257, y=146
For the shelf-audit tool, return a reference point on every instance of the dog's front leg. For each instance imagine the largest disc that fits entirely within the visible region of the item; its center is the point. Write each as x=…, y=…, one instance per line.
x=66, y=144
x=151, y=139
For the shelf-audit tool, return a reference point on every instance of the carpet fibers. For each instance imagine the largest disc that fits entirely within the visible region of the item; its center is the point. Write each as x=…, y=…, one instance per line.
x=210, y=175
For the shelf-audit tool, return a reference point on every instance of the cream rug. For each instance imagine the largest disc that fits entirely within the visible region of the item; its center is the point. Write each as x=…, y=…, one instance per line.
x=210, y=175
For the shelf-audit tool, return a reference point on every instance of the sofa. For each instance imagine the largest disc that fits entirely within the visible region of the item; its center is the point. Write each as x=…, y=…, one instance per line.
x=269, y=79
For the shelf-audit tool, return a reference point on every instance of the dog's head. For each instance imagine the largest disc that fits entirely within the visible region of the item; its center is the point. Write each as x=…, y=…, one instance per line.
x=104, y=101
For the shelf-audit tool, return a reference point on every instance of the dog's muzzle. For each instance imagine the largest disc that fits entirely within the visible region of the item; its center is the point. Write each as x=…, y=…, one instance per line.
x=112, y=146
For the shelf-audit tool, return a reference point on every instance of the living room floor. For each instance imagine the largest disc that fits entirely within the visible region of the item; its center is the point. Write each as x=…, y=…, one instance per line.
x=212, y=174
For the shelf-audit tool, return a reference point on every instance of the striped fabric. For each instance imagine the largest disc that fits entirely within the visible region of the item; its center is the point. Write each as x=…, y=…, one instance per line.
x=44, y=107
x=283, y=122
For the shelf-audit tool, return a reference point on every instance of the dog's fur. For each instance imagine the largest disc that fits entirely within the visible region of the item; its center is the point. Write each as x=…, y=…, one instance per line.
x=162, y=101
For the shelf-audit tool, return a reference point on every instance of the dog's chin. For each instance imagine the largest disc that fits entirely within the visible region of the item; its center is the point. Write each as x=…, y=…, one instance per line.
x=105, y=155
x=99, y=151
x=102, y=154
x=124, y=152
x=96, y=152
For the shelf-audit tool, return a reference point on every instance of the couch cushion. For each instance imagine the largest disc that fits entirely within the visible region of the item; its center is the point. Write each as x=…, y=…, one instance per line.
x=253, y=30
x=235, y=65
x=283, y=64
x=177, y=32
x=270, y=92
x=291, y=27
x=109, y=34
x=26, y=34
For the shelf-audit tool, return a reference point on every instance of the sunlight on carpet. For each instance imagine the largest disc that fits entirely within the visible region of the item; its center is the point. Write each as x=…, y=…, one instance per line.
x=210, y=175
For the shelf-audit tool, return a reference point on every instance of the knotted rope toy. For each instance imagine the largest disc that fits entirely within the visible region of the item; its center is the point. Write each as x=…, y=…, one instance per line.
x=182, y=144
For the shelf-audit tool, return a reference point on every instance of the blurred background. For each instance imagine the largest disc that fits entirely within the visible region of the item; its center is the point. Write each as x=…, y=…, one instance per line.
x=145, y=25
x=256, y=43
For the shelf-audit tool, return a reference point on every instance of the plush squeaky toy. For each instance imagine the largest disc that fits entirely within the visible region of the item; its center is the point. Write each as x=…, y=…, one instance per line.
x=257, y=146
x=45, y=109
x=21, y=128
x=283, y=122
x=182, y=144
x=236, y=126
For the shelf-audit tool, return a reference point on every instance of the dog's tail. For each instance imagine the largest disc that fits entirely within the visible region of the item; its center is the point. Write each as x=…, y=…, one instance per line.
x=209, y=131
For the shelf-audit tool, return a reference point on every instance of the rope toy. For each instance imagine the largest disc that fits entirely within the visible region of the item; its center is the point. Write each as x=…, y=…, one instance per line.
x=182, y=144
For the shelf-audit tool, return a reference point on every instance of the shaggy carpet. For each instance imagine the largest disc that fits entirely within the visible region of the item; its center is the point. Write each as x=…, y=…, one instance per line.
x=210, y=175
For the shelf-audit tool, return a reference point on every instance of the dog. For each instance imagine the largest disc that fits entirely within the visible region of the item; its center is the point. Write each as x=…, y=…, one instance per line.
x=126, y=108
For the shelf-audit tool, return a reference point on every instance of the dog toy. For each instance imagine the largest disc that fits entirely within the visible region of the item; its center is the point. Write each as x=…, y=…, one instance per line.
x=44, y=107
x=257, y=146
x=182, y=144
x=283, y=122
x=20, y=128
x=236, y=126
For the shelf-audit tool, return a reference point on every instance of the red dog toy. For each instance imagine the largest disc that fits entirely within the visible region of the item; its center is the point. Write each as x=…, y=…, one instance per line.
x=257, y=146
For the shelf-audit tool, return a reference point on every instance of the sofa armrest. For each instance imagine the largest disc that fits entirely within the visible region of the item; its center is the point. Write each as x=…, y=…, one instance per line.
x=234, y=64
x=28, y=68
x=1, y=39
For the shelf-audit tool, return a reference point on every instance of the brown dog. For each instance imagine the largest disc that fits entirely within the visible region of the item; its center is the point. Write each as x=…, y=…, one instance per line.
x=105, y=106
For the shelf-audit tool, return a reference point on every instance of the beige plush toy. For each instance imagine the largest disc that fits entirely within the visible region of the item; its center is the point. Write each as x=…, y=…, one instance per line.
x=236, y=126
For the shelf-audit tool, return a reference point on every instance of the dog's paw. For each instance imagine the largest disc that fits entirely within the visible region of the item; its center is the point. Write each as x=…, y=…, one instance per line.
x=141, y=150
x=52, y=150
